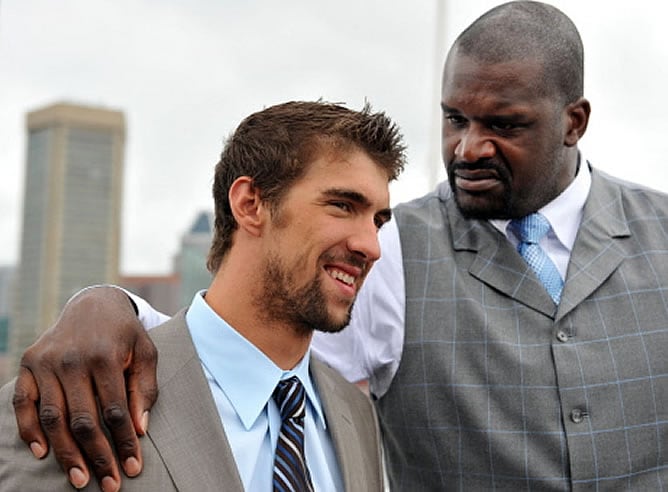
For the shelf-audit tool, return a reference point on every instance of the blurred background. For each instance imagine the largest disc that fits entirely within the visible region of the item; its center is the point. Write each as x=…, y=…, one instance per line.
x=113, y=113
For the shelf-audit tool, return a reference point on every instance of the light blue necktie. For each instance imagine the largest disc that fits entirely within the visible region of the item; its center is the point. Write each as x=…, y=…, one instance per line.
x=530, y=230
x=290, y=471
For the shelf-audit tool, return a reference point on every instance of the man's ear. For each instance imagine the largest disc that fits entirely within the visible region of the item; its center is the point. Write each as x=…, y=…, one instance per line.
x=246, y=205
x=577, y=119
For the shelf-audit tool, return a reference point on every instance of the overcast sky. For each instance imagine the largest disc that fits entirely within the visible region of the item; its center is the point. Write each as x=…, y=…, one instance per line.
x=186, y=73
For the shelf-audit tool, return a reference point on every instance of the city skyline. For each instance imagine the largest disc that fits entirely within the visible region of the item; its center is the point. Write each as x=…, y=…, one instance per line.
x=71, y=233
x=185, y=75
x=71, y=218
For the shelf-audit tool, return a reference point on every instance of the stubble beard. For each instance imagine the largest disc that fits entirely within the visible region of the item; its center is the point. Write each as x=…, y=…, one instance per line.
x=303, y=308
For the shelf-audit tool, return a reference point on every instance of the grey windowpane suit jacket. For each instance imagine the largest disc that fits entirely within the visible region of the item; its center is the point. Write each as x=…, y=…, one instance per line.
x=497, y=389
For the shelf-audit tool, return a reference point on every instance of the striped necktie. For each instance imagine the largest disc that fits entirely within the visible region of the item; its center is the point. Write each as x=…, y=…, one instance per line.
x=290, y=471
x=530, y=230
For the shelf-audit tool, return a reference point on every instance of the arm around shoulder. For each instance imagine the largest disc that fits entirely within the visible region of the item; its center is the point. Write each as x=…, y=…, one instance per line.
x=69, y=375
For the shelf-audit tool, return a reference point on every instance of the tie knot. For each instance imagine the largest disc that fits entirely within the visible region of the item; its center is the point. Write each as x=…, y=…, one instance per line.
x=289, y=395
x=530, y=229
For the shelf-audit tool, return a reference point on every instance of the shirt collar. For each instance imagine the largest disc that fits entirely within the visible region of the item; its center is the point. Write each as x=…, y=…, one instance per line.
x=241, y=370
x=564, y=212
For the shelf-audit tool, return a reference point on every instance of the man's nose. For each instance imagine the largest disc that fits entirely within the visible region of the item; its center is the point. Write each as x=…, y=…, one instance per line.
x=474, y=145
x=364, y=241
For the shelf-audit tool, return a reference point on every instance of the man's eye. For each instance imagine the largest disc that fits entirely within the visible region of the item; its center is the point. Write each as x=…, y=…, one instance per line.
x=504, y=126
x=341, y=205
x=455, y=120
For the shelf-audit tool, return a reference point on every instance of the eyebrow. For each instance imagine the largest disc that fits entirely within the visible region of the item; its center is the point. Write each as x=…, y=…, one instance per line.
x=357, y=197
x=448, y=109
x=502, y=108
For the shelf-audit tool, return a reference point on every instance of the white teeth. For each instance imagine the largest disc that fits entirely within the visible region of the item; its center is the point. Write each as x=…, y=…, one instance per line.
x=342, y=276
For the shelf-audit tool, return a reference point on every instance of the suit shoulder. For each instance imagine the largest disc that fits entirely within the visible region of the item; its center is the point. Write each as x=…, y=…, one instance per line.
x=167, y=328
x=433, y=210
x=19, y=470
x=172, y=339
x=629, y=188
x=436, y=198
x=640, y=207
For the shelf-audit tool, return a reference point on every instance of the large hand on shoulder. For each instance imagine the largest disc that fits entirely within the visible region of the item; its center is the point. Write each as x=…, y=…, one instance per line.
x=96, y=353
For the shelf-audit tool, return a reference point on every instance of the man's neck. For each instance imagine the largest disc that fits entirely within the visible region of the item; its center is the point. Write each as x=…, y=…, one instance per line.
x=283, y=343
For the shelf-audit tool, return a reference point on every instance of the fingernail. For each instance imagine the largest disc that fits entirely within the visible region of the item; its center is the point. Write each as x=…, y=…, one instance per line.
x=144, y=421
x=132, y=467
x=77, y=477
x=37, y=450
x=108, y=484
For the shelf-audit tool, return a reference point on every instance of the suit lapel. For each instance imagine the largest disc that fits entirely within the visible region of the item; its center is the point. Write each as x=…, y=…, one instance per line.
x=339, y=424
x=596, y=254
x=496, y=263
x=598, y=247
x=185, y=426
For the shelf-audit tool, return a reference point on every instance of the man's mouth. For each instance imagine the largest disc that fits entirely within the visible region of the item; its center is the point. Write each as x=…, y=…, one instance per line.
x=341, y=276
x=476, y=180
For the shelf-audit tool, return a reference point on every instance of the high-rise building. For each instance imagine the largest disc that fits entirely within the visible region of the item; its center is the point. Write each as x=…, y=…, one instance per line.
x=71, y=212
x=190, y=262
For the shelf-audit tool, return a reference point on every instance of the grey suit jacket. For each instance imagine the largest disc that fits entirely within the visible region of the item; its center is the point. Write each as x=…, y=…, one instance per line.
x=186, y=448
x=497, y=389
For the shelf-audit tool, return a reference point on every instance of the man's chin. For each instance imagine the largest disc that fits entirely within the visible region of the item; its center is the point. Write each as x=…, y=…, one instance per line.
x=335, y=323
x=480, y=208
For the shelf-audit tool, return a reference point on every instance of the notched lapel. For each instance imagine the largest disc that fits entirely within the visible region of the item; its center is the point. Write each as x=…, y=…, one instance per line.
x=339, y=422
x=340, y=426
x=598, y=249
x=496, y=263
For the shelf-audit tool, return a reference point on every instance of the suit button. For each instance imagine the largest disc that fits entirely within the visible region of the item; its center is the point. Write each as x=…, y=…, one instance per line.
x=578, y=415
x=562, y=336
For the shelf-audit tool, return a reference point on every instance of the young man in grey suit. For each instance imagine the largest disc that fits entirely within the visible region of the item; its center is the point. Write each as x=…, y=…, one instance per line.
x=300, y=193
x=501, y=361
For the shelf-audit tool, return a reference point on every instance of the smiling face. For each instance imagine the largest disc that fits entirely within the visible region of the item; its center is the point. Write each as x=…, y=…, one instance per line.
x=504, y=138
x=322, y=241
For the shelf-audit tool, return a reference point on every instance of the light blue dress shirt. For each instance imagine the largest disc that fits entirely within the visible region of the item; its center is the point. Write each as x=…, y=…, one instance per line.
x=242, y=380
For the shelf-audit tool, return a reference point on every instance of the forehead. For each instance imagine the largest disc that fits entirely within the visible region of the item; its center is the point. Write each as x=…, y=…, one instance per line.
x=515, y=82
x=353, y=170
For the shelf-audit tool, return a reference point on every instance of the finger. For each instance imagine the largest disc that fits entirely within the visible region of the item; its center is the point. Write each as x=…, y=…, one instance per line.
x=53, y=418
x=142, y=383
x=110, y=384
x=25, y=402
x=84, y=422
